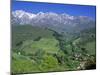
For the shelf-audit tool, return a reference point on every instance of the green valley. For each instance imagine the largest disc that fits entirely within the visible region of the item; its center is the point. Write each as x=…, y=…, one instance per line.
x=38, y=49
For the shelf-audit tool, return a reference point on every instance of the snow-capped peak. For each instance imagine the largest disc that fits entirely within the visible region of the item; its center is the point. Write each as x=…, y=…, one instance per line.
x=41, y=18
x=21, y=13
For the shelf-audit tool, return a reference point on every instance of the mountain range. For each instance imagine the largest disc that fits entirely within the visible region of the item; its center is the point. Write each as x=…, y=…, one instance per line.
x=58, y=22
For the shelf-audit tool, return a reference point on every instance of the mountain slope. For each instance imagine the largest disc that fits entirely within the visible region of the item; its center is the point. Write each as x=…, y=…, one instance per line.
x=59, y=22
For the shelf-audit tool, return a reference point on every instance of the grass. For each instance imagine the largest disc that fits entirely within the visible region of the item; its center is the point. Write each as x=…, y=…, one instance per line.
x=24, y=66
x=91, y=47
x=44, y=54
x=47, y=44
x=28, y=32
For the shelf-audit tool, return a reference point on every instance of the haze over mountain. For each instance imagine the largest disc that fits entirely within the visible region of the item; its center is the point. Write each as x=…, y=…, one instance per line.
x=59, y=22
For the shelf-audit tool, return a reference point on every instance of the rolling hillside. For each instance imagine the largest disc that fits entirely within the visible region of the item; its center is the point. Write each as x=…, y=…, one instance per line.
x=39, y=49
